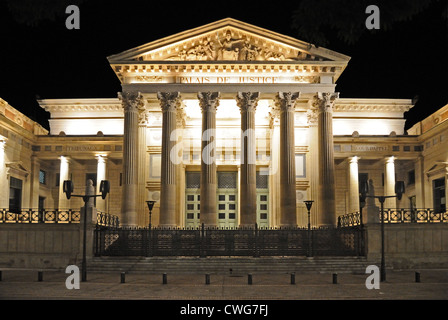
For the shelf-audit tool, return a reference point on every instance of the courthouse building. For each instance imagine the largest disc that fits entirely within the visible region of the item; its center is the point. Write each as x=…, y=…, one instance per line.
x=229, y=125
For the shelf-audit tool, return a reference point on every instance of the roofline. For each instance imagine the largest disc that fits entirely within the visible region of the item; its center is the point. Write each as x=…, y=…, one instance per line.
x=125, y=55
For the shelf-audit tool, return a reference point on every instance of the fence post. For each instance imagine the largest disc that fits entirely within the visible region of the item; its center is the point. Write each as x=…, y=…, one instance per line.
x=203, y=242
x=256, y=253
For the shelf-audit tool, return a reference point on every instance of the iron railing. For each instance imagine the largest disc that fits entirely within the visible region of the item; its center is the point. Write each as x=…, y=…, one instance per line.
x=398, y=216
x=40, y=216
x=53, y=216
x=204, y=242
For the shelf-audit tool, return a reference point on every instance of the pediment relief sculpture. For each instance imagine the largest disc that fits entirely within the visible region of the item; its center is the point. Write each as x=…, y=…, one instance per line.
x=228, y=45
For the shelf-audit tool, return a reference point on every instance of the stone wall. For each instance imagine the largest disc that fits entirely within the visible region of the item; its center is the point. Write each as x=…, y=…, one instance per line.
x=40, y=245
x=416, y=245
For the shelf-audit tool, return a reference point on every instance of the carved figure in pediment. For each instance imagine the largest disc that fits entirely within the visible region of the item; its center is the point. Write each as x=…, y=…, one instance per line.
x=248, y=52
x=228, y=47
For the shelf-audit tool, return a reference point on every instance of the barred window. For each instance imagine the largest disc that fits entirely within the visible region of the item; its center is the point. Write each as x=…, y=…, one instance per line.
x=262, y=180
x=227, y=180
x=42, y=177
x=193, y=180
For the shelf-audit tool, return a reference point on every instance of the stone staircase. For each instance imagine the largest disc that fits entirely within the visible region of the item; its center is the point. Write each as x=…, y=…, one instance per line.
x=226, y=265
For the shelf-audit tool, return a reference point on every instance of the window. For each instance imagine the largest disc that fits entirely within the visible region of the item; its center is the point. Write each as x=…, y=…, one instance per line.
x=42, y=177
x=411, y=177
x=15, y=195
x=438, y=190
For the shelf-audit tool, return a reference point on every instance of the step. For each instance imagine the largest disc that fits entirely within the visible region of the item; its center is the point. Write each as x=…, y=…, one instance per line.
x=223, y=265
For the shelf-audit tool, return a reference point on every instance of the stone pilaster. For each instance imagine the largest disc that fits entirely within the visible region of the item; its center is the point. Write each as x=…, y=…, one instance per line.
x=389, y=182
x=285, y=101
x=247, y=102
x=324, y=102
x=353, y=185
x=100, y=175
x=131, y=102
x=4, y=188
x=209, y=102
x=64, y=174
x=169, y=101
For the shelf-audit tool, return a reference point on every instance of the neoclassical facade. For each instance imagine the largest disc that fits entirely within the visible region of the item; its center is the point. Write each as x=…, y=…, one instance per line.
x=224, y=125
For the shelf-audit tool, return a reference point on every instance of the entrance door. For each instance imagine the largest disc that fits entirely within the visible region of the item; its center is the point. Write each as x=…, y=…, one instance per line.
x=262, y=200
x=438, y=189
x=227, y=198
x=15, y=195
x=192, y=199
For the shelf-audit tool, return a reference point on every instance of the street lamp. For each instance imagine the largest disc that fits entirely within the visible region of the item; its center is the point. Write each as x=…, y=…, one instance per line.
x=399, y=190
x=309, y=204
x=150, y=204
x=68, y=188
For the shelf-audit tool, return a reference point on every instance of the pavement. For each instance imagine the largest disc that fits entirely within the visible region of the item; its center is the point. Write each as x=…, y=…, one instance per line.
x=399, y=285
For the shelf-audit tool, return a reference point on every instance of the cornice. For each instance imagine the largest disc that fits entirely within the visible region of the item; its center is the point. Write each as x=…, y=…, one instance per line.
x=390, y=105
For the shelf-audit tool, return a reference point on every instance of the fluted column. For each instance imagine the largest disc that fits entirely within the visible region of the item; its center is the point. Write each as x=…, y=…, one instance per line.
x=131, y=102
x=100, y=175
x=285, y=101
x=353, y=185
x=142, y=208
x=247, y=102
x=327, y=197
x=64, y=174
x=169, y=101
x=4, y=201
x=389, y=182
x=209, y=102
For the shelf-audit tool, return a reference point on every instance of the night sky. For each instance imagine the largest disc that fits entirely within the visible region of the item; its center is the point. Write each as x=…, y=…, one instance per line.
x=40, y=57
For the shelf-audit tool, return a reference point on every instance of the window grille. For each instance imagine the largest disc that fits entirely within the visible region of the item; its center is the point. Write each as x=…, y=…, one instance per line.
x=193, y=180
x=227, y=180
x=262, y=180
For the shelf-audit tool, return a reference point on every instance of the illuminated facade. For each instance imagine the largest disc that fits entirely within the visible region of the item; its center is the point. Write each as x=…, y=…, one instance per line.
x=227, y=125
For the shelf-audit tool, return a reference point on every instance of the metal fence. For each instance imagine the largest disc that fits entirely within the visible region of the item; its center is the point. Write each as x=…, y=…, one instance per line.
x=397, y=216
x=204, y=242
x=54, y=216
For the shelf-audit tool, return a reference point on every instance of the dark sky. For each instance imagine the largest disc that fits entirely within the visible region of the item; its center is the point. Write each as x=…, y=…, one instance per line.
x=39, y=56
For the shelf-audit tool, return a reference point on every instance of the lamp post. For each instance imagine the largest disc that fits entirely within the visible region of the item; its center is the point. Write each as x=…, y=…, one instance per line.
x=150, y=204
x=68, y=188
x=309, y=204
x=399, y=190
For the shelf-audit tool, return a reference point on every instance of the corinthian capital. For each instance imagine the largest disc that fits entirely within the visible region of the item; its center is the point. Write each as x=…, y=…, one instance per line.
x=247, y=101
x=131, y=100
x=209, y=101
x=169, y=101
x=324, y=101
x=286, y=100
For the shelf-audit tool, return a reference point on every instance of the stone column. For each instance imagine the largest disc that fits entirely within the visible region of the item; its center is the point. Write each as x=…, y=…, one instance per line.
x=64, y=174
x=389, y=182
x=247, y=102
x=209, y=102
x=353, y=185
x=324, y=102
x=100, y=175
x=419, y=183
x=34, y=183
x=131, y=102
x=4, y=188
x=285, y=101
x=142, y=208
x=313, y=165
x=169, y=101
x=274, y=171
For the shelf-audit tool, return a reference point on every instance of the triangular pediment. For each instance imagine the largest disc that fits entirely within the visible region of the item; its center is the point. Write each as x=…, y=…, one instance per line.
x=227, y=40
